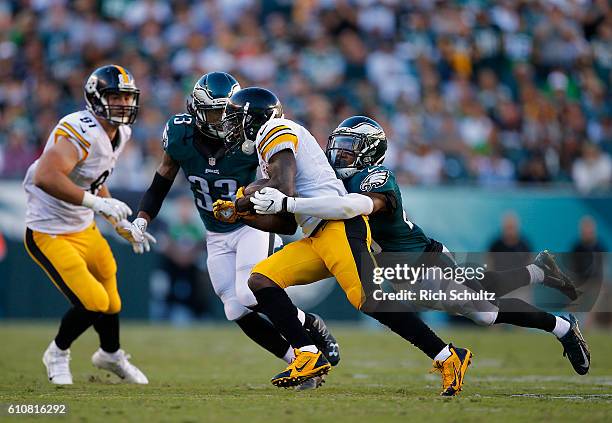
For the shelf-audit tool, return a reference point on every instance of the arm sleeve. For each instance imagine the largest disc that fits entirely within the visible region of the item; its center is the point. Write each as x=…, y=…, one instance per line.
x=331, y=207
x=153, y=198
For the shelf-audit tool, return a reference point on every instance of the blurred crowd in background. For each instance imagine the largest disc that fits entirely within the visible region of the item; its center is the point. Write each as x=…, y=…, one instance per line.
x=496, y=93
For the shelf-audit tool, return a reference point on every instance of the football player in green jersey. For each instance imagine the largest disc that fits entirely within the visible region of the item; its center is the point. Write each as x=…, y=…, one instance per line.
x=356, y=150
x=194, y=142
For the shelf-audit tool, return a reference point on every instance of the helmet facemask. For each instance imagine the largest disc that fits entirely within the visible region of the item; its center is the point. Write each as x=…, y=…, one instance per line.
x=233, y=124
x=120, y=114
x=208, y=117
x=207, y=102
x=241, y=127
x=349, y=152
x=246, y=112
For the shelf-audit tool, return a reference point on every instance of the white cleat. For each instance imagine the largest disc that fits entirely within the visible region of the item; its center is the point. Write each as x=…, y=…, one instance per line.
x=57, y=363
x=118, y=363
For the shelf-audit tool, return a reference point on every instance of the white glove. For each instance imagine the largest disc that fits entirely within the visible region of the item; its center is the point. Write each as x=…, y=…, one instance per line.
x=136, y=234
x=270, y=201
x=112, y=209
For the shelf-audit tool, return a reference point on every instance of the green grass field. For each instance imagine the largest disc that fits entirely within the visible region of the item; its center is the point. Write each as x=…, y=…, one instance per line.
x=214, y=374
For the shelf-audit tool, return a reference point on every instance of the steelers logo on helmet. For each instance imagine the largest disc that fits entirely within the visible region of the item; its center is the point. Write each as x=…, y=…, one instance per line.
x=356, y=143
x=208, y=99
x=91, y=84
x=111, y=93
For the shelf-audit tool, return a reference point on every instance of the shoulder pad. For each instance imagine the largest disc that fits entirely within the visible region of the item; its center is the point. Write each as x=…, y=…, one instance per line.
x=74, y=127
x=277, y=134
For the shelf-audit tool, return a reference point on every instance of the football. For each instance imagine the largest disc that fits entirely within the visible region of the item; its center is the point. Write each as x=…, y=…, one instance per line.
x=255, y=186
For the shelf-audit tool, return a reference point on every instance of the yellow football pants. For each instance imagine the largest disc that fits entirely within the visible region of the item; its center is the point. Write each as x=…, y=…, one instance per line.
x=335, y=249
x=80, y=264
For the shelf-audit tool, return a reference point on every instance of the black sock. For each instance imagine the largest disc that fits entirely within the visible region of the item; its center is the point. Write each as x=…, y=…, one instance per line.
x=519, y=313
x=74, y=323
x=276, y=304
x=264, y=334
x=505, y=281
x=308, y=320
x=107, y=327
x=409, y=326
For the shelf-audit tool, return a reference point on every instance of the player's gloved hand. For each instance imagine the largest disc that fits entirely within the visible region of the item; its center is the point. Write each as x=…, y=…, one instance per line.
x=136, y=234
x=225, y=211
x=240, y=193
x=112, y=209
x=271, y=201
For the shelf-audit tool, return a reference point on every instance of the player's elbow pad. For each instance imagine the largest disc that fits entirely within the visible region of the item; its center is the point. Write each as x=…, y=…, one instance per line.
x=154, y=196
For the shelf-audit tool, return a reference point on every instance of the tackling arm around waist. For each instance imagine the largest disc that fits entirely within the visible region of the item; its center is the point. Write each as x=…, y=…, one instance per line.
x=332, y=207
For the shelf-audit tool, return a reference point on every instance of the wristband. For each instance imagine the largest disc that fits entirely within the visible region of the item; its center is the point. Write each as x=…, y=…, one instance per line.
x=88, y=199
x=289, y=204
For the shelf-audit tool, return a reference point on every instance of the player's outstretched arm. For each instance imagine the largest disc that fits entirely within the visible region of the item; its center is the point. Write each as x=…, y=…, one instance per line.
x=271, y=201
x=153, y=198
x=150, y=204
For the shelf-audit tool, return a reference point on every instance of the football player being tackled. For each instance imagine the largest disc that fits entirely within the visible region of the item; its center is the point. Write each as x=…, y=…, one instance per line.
x=194, y=143
x=356, y=150
x=65, y=188
x=293, y=161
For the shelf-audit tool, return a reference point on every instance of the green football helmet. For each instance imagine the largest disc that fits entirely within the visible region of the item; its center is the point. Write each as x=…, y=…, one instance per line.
x=208, y=100
x=356, y=143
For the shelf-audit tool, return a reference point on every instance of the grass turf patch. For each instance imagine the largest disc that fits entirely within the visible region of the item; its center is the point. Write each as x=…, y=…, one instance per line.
x=215, y=374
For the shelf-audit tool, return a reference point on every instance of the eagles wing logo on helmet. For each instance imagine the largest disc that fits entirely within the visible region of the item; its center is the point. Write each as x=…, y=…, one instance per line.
x=203, y=89
x=375, y=179
x=365, y=128
x=209, y=94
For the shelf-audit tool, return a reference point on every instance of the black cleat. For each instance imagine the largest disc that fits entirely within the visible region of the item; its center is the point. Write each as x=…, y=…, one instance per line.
x=575, y=347
x=554, y=277
x=322, y=337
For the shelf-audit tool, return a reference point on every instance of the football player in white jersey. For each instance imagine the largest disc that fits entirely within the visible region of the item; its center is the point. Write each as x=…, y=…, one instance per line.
x=65, y=188
x=194, y=145
x=296, y=165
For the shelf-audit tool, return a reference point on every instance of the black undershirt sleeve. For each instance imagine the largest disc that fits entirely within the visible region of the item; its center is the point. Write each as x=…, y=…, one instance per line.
x=153, y=198
x=391, y=201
